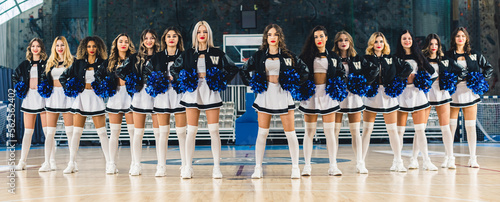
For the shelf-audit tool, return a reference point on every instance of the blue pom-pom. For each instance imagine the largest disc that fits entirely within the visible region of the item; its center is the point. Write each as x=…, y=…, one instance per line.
x=258, y=83
x=73, y=87
x=130, y=81
x=357, y=84
x=157, y=83
x=337, y=89
x=45, y=89
x=105, y=88
x=396, y=87
x=449, y=81
x=477, y=83
x=289, y=82
x=423, y=81
x=21, y=89
x=187, y=81
x=372, y=90
x=216, y=80
x=307, y=90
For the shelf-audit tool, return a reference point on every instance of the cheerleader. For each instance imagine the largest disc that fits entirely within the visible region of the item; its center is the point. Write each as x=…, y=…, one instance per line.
x=468, y=90
x=60, y=59
x=203, y=71
x=119, y=100
x=26, y=78
x=274, y=65
x=168, y=102
x=323, y=65
x=360, y=74
x=135, y=70
x=413, y=99
x=382, y=98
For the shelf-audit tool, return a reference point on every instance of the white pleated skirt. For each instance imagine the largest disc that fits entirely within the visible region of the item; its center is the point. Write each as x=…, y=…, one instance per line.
x=168, y=102
x=412, y=99
x=33, y=103
x=120, y=102
x=87, y=103
x=351, y=104
x=381, y=102
x=58, y=102
x=274, y=100
x=464, y=97
x=142, y=102
x=319, y=103
x=437, y=96
x=202, y=97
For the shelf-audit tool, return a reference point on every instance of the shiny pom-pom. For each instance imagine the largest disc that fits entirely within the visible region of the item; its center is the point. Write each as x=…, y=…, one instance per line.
x=306, y=91
x=157, y=83
x=396, y=87
x=448, y=82
x=73, y=87
x=290, y=80
x=477, y=83
x=372, y=90
x=188, y=80
x=104, y=89
x=357, y=84
x=45, y=89
x=423, y=81
x=130, y=81
x=336, y=89
x=258, y=83
x=216, y=79
x=21, y=89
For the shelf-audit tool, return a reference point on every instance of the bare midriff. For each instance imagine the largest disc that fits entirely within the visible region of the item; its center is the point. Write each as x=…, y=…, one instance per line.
x=319, y=78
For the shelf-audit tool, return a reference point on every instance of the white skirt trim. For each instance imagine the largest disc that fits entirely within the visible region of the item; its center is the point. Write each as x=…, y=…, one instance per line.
x=58, y=102
x=464, y=97
x=33, y=103
x=120, y=102
x=319, y=103
x=274, y=100
x=412, y=99
x=142, y=102
x=437, y=96
x=168, y=102
x=351, y=104
x=202, y=98
x=381, y=102
x=87, y=103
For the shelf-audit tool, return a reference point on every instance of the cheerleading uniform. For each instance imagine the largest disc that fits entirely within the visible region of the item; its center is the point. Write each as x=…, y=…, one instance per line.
x=321, y=102
x=392, y=70
x=33, y=103
x=58, y=102
x=120, y=101
x=413, y=99
x=438, y=94
x=475, y=62
x=86, y=103
x=273, y=99
x=202, y=93
x=169, y=101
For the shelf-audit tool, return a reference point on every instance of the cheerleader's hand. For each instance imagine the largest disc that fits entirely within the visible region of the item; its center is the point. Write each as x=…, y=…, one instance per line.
x=411, y=78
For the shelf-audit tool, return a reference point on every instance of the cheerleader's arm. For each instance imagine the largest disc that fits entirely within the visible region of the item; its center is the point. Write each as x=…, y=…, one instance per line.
x=371, y=70
x=230, y=68
x=17, y=74
x=125, y=68
x=486, y=66
x=245, y=70
x=302, y=69
x=178, y=65
x=66, y=75
x=404, y=67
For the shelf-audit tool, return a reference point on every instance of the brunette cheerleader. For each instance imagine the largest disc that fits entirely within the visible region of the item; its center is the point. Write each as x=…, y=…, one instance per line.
x=468, y=90
x=382, y=96
x=112, y=87
x=60, y=59
x=26, y=78
x=135, y=70
x=76, y=81
x=168, y=102
x=274, y=66
x=203, y=71
x=413, y=99
x=322, y=65
x=360, y=73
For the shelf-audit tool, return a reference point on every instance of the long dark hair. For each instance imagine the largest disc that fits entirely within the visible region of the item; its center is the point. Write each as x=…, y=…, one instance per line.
x=467, y=48
x=415, y=50
x=281, y=39
x=142, y=53
x=81, y=52
x=310, y=51
x=427, y=46
x=180, y=42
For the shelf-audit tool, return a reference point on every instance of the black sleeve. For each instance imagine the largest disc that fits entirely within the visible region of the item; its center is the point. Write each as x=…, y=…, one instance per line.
x=100, y=73
x=125, y=68
x=229, y=67
x=245, y=70
x=302, y=69
x=404, y=68
x=371, y=70
x=485, y=66
x=67, y=74
x=16, y=75
x=428, y=67
x=178, y=65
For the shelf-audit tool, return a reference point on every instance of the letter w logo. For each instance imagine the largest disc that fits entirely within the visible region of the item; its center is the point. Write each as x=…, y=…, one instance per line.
x=334, y=61
x=357, y=65
x=445, y=63
x=215, y=60
x=288, y=61
x=389, y=61
x=473, y=57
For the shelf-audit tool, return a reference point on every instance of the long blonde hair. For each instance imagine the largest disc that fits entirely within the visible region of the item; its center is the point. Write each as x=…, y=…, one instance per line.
x=114, y=56
x=371, y=51
x=54, y=57
x=29, y=54
x=210, y=40
x=351, y=51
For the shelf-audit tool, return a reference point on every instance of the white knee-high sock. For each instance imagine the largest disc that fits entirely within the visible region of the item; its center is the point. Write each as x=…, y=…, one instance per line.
x=421, y=141
x=115, y=130
x=447, y=140
x=103, y=138
x=162, y=144
x=181, y=136
x=367, y=133
x=75, y=143
x=307, y=144
x=156, y=134
x=69, y=135
x=415, y=146
x=354, y=128
x=453, y=127
x=394, y=139
x=130, y=129
x=49, y=142
x=213, y=129
x=401, y=133
x=470, y=127
x=137, y=144
x=293, y=146
x=260, y=146
x=190, y=144
x=331, y=141
x=53, y=151
x=28, y=134
x=337, y=132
